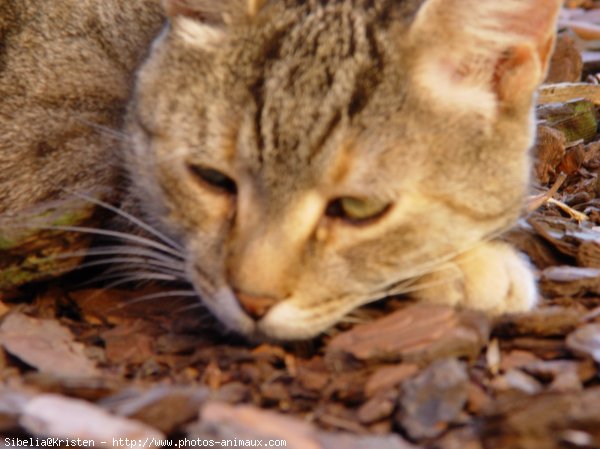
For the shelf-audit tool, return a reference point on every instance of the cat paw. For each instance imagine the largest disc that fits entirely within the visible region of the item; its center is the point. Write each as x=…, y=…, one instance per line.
x=492, y=277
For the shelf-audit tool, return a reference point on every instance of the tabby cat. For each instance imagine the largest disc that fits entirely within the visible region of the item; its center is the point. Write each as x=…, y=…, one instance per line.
x=300, y=158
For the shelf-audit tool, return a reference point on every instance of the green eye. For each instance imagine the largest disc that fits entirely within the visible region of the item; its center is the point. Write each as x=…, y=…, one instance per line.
x=356, y=209
x=213, y=178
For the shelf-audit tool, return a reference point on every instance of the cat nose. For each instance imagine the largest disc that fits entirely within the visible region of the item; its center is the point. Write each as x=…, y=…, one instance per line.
x=254, y=305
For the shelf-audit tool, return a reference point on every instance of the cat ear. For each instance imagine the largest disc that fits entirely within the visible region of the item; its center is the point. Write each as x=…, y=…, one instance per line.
x=202, y=22
x=484, y=53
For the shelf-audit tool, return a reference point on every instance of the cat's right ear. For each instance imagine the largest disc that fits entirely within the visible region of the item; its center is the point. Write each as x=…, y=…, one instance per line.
x=484, y=54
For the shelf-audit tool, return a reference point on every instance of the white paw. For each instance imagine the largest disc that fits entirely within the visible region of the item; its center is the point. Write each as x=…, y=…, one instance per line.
x=492, y=277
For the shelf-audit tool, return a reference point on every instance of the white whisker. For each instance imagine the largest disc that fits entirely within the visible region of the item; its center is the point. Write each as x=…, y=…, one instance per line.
x=162, y=295
x=125, y=277
x=105, y=130
x=197, y=306
x=143, y=277
x=401, y=290
x=429, y=267
x=133, y=220
x=119, y=235
x=132, y=263
x=352, y=319
x=125, y=250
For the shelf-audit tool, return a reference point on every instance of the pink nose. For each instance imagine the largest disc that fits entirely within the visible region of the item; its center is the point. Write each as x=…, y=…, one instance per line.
x=255, y=306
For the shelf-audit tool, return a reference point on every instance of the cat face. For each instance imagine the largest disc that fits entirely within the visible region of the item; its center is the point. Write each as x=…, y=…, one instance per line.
x=315, y=157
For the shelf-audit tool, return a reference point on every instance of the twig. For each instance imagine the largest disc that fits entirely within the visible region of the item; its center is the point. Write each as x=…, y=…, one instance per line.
x=537, y=201
x=569, y=210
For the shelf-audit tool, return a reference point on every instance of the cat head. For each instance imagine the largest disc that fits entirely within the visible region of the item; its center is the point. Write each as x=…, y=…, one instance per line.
x=313, y=156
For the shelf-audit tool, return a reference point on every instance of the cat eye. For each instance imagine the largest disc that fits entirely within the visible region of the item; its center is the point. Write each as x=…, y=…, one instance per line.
x=357, y=210
x=213, y=178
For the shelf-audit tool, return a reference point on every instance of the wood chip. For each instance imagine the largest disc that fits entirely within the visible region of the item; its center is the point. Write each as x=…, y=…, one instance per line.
x=46, y=346
x=418, y=333
x=517, y=359
x=388, y=377
x=550, y=149
x=247, y=423
x=559, y=93
x=588, y=254
x=165, y=408
x=377, y=408
x=544, y=322
x=12, y=403
x=566, y=64
x=516, y=380
x=81, y=419
x=129, y=343
x=544, y=422
x=570, y=281
x=586, y=341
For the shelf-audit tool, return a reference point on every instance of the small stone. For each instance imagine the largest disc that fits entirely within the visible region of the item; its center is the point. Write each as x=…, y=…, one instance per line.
x=432, y=400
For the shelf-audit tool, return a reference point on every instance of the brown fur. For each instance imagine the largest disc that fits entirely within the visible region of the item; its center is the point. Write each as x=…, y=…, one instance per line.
x=65, y=67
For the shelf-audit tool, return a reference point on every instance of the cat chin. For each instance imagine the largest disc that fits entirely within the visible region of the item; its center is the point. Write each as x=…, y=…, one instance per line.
x=285, y=321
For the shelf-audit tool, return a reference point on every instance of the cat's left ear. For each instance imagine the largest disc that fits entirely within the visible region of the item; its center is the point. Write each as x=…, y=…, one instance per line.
x=202, y=21
x=491, y=51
